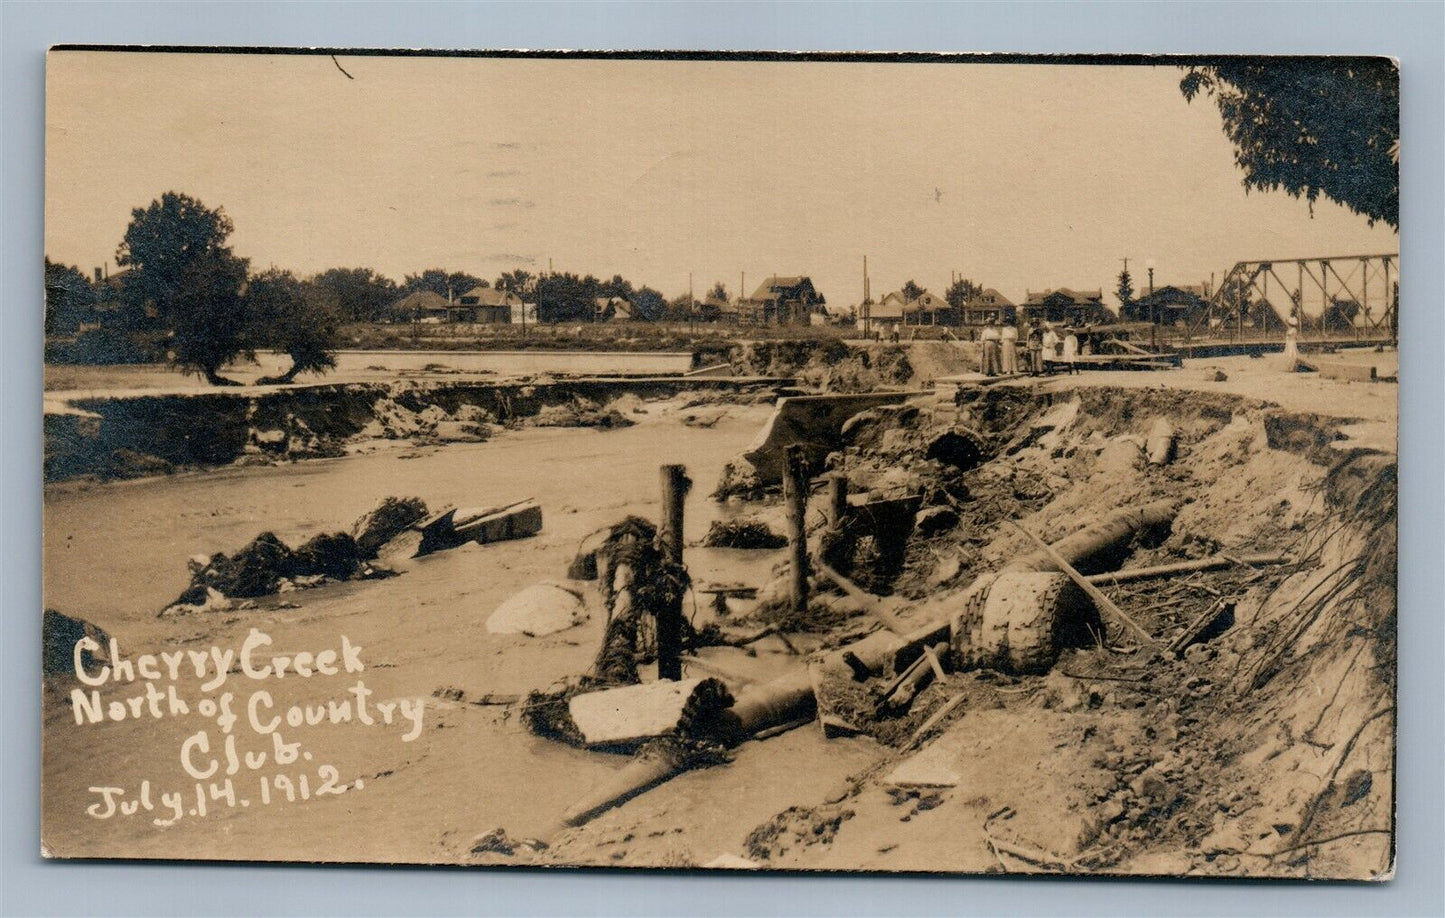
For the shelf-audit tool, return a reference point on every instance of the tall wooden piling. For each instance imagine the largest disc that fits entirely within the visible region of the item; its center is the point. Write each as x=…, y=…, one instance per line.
x=795, y=497
x=675, y=485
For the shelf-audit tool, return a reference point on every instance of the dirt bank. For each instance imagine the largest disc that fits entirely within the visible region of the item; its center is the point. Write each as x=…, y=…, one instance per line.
x=1265, y=750
x=138, y=434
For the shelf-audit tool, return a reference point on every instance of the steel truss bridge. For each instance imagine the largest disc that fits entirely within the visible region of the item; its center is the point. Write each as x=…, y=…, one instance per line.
x=1342, y=296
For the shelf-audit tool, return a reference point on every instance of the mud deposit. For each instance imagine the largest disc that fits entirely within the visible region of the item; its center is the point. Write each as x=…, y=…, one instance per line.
x=1264, y=748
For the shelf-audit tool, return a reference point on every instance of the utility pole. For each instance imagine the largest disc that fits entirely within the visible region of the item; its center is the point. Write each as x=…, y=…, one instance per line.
x=867, y=307
x=1153, y=312
x=691, y=306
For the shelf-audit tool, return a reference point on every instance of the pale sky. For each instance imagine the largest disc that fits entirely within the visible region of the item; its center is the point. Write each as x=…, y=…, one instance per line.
x=1021, y=177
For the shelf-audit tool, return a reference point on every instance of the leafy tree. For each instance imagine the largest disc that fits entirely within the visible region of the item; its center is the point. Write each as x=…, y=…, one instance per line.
x=565, y=297
x=911, y=291
x=181, y=267
x=718, y=293
x=69, y=298
x=1125, y=293
x=207, y=316
x=1242, y=306
x=361, y=294
x=441, y=282
x=618, y=286
x=298, y=318
x=961, y=291
x=1341, y=313
x=1312, y=126
x=648, y=304
x=518, y=281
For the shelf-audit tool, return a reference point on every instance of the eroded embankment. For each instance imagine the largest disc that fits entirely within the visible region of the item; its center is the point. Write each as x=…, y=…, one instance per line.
x=1248, y=731
x=136, y=435
x=1264, y=747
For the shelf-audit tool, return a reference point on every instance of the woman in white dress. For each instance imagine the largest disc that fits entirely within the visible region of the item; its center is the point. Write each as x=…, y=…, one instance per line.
x=1071, y=350
x=1291, y=341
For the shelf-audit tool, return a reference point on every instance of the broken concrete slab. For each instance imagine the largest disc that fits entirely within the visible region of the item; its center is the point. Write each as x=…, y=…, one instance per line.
x=631, y=713
x=484, y=525
x=1349, y=372
x=934, y=766
x=498, y=524
x=390, y=518
x=540, y=609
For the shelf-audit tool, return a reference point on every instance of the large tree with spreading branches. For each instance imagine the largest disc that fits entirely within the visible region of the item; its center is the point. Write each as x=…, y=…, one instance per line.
x=1312, y=126
x=183, y=270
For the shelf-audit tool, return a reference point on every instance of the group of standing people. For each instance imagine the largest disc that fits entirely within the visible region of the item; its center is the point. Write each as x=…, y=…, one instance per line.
x=1000, y=349
x=1042, y=343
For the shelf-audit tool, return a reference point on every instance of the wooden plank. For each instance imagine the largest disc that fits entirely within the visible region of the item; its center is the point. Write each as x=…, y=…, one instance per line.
x=1103, y=602
x=1213, y=563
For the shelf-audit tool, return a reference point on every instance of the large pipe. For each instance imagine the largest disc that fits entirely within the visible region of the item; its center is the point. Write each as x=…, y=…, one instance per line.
x=784, y=700
x=1103, y=545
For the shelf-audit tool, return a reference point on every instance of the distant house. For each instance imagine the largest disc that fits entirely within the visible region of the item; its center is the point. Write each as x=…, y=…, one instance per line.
x=1074, y=307
x=884, y=317
x=1168, y=305
x=989, y=306
x=485, y=305
x=614, y=309
x=928, y=309
x=716, y=309
x=421, y=306
x=783, y=301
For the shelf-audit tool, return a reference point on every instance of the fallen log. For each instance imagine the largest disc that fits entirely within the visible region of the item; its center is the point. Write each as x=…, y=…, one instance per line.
x=900, y=696
x=1213, y=563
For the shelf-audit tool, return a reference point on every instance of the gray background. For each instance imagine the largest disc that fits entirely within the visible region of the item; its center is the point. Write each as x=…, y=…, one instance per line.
x=1412, y=32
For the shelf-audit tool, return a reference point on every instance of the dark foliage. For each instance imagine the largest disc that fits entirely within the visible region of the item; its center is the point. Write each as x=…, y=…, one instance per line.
x=182, y=271
x=1312, y=127
x=294, y=317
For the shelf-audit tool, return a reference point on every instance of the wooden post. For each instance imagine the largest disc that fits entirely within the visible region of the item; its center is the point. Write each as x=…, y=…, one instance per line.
x=837, y=499
x=675, y=485
x=795, y=496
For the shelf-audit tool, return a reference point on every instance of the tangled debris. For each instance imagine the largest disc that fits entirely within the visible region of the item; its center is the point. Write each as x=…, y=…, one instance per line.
x=742, y=534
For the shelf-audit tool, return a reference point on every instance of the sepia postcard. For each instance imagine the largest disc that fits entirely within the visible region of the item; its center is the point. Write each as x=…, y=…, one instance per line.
x=976, y=464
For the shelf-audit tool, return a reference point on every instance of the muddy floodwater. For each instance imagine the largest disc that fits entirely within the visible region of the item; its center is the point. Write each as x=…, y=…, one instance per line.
x=116, y=554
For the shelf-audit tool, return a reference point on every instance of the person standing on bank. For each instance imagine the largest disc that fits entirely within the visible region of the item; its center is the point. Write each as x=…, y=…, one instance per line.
x=1035, y=340
x=1050, y=342
x=1071, y=350
x=1009, y=345
x=1291, y=341
x=991, y=337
